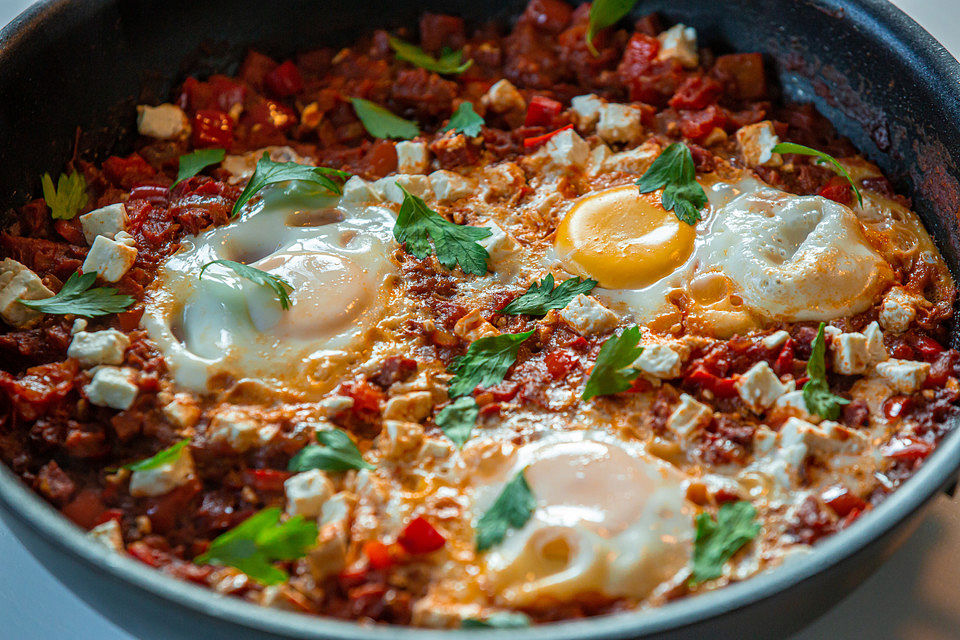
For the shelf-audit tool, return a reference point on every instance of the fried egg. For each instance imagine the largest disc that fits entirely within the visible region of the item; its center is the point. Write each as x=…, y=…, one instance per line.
x=335, y=256
x=610, y=519
x=759, y=255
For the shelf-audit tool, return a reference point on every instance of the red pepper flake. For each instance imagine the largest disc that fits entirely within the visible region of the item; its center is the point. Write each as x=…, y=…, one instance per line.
x=420, y=537
x=536, y=141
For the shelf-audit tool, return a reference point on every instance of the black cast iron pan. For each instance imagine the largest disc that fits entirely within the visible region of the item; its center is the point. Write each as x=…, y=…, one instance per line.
x=881, y=79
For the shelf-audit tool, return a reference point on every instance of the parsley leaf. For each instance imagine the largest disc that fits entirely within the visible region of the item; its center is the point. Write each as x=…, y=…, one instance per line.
x=336, y=452
x=603, y=14
x=193, y=163
x=450, y=62
x=77, y=297
x=269, y=172
x=69, y=196
x=259, y=541
x=512, y=508
x=675, y=173
x=542, y=296
x=256, y=276
x=612, y=372
x=799, y=149
x=465, y=120
x=499, y=620
x=816, y=391
x=717, y=540
x=380, y=123
x=417, y=224
x=169, y=454
x=457, y=419
x=486, y=362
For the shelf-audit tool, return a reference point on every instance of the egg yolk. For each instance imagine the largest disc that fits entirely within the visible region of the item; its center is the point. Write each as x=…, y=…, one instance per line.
x=623, y=239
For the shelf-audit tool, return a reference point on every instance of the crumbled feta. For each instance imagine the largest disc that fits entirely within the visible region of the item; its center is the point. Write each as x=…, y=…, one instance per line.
x=416, y=185
x=620, y=123
x=435, y=448
x=412, y=157
x=106, y=221
x=756, y=142
x=659, y=361
x=16, y=281
x=850, y=354
x=635, y=160
x=449, y=186
x=502, y=249
x=503, y=97
x=567, y=149
x=110, y=259
x=164, y=478
x=587, y=316
x=398, y=437
x=358, y=190
x=903, y=376
x=680, y=43
x=238, y=429
x=876, y=352
x=108, y=534
x=182, y=411
x=759, y=387
x=688, y=416
x=792, y=403
x=164, y=121
x=898, y=310
x=113, y=387
x=826, y=438
x=412, y=407
x=585, y=111
x=332, y=405
x=98, y=347
x=776, y=339
x=307, y=492
x=502, y=180
x=474, y=326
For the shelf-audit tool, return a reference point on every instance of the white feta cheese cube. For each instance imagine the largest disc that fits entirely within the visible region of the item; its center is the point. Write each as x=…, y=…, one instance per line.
x=412, y=157
x=416, y=185
x=98, y=347
x=503, y=97
x=826, y=438
x=635, y=160
x=776, y=339
x=756, y=142
x=332, y=405
x=759, y=387
x=357, y=190
x=164, y=121
x=449, y=186
x=182, y=411
x=587, y=316
x=400, y=436
x=474, y=326
x=503, y=250
x=680, y=43
x=113, y=387
x=106, y=221
x=239, y=430
x=436, y=449
x=110, y=259
x=585, y=111
x=108, y=534
x=411, y=407
x=164, y=478
x=659, y=361
x=793, y=404
x=337, y=509
x=850, y=355
x=18, y=282
x=567, y=149
x=898, y=310
x=688, y=416
x=620, y=123
x=502, y=180
x=903, y=376
x=307, y=492
x=876, y=352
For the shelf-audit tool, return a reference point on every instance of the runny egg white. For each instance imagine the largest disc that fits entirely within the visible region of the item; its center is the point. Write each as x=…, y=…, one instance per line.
x=610, y=519
x=758, y=255
x=336, y=257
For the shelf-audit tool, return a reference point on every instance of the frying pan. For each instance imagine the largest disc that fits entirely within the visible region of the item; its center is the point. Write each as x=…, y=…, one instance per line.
x=882, y=80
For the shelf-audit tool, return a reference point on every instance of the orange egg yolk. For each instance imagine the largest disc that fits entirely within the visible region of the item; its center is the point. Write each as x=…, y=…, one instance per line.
x=623, y=239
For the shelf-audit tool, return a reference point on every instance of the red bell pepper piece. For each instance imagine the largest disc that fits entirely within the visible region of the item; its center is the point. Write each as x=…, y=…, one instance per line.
x=541, y=112
x=420, y=537
x=536, y=141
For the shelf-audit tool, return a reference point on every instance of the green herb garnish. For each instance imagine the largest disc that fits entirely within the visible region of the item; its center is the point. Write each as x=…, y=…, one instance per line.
x=259, y=541
x=380, y=123
x=816, y=391
x=70, y=195
x=457, y=419
x=454, y=244
x=269, y=172
x=717, y=540
x=486, y=362
x=603, y=14
x=542, y=296
x=169, y=454
x=499, y=620
x=280, y=286
x=336, y=452
x=78, y=298
x=675, y=173
x=612, y=372
x=449, y=63
x=193, y=163
x=512, y=508
x=465, y=120
x=799, y=149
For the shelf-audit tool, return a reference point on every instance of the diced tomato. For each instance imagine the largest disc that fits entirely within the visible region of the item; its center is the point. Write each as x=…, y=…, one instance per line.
x=548, y=15
x=378, y=555
x=366, y=397
x=722, y=495
x=926, y=347
x=266, y=479
x=536, y=141
x=838, y=190
x=559, y=363
x=842, y=500
x=907, y=448
x=638, y=56
x=420, y=537
x=719, y=387
x=784, y=362
x=85, y=509
x=696, y=92
x=212, y=128
x=218, y=92
x=897, y=406
x=272, y=113
x=503, y=391
x=697, y=125
x=154, y=194
x=942, y=368
x=381, y=159
x=285, y=80
x=744, y=74
x=128, y=172
x=146, y=554
x=541, y=111
x=130, y=319
x=70, y=231
x=33, y=393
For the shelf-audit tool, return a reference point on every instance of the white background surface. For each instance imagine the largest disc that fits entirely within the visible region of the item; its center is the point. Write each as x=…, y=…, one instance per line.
x=914, y=596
